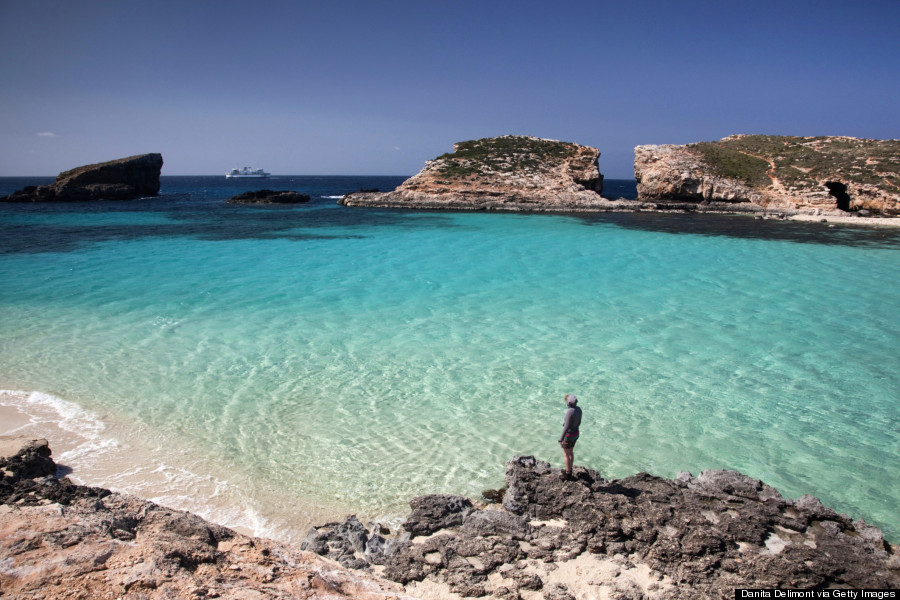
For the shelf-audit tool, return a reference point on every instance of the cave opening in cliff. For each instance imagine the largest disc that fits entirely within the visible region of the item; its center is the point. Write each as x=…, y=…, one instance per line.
x=839, y=191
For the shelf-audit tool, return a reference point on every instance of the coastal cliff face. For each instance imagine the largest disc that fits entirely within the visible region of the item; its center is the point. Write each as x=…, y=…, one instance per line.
x=821, y=175
x=121, y=179
x=515, y=173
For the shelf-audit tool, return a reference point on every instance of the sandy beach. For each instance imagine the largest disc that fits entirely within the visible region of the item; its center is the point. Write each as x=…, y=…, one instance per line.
x=117, y=456
x=13, y=420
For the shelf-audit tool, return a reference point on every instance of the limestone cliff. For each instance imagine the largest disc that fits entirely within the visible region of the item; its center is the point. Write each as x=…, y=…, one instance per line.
x=121, y=179
x=515, y=173
x=822, y=175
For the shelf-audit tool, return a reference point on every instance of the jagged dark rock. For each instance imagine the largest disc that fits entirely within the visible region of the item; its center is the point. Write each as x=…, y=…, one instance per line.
x=269, y=197
x=121, y=179
x=699, y=536
x=22, y=458
x=434, y=512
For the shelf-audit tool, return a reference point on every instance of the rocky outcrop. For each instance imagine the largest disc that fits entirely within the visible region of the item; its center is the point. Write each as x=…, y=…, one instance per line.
x=122, y=179
x=812, y=175
x=639, y=537
x=60, y=540
x=269, y=197
x=512, y=173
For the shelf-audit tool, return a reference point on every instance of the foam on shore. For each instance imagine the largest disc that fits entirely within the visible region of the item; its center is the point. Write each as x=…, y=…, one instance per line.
x=95, y=451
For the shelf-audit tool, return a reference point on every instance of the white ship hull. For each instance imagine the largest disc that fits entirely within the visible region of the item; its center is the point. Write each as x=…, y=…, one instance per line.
x=246, y=173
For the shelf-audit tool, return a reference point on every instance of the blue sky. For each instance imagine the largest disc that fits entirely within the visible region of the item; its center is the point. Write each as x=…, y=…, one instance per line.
x=344, y=87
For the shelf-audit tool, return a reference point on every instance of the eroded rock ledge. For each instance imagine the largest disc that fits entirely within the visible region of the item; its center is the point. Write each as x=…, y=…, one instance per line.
x=639, y=537
x=507, y=173
x=831, y=176
x=121, y=179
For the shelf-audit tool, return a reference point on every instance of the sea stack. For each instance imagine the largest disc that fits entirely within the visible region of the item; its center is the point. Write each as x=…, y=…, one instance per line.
x=121, y=179
x=821, y=175
x=510, y=173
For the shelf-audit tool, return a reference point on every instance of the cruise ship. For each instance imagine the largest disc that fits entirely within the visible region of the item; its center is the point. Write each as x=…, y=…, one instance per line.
x=247, y=172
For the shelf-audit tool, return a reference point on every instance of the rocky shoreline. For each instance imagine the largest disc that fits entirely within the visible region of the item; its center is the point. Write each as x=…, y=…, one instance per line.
x=826, y=178
x=638, y=537
x=605, y=205
x=538, y=537
x=61, y=540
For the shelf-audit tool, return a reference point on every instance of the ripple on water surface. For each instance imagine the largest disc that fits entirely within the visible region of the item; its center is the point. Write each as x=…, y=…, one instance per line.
x=418, y=352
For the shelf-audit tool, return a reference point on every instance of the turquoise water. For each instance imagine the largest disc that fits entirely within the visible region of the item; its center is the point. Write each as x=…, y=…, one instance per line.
x=356, y=358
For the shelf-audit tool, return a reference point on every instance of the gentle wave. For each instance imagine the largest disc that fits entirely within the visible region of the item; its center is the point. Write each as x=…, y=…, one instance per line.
x=93, y=452
x=44, y=412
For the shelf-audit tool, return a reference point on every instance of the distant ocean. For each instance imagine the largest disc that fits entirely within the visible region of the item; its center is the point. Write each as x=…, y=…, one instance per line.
x=270, y=367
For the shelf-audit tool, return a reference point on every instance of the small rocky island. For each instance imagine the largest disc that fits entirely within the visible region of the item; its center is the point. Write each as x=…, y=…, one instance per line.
x=783, y=176
x=510, y=173
x=269, y=197
x=121, y=179
x=820, y=175
x=540, y=537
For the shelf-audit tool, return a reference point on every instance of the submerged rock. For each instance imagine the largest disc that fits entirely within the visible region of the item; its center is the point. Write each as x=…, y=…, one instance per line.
x=269, y=197
x=511, y=173
x=121, y=179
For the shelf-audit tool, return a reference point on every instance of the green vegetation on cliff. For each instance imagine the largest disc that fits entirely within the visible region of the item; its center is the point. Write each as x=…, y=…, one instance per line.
x=505, y=154
x=804, y=162
x=731, y=162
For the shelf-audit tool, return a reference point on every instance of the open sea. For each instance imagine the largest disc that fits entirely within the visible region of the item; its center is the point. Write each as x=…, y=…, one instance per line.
x=273, y=367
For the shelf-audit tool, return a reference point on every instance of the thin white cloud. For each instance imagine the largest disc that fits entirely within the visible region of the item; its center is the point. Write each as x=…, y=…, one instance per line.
x=46, y=134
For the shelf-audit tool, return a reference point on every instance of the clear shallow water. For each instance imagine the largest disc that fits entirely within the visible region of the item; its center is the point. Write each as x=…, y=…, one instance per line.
x=296, y=361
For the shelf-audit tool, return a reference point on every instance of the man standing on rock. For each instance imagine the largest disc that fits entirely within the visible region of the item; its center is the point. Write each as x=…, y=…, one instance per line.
x=570, y=432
